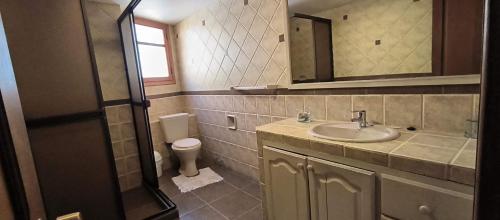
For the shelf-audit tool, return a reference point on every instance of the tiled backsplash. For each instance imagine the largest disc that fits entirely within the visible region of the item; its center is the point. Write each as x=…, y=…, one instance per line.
x=125, y=151
x=237, y=148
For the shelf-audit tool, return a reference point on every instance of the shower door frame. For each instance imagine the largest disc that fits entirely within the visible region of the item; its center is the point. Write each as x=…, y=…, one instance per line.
x=147, y=157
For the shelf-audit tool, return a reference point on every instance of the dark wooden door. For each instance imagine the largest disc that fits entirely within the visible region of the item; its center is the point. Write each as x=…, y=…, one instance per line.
x=462, y=36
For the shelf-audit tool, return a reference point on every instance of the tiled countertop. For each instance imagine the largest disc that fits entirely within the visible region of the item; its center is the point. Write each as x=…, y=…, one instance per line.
x=443, y=156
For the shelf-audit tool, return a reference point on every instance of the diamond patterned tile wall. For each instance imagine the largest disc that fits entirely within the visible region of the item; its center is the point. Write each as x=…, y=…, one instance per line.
x=233, y=44
x=404, y=29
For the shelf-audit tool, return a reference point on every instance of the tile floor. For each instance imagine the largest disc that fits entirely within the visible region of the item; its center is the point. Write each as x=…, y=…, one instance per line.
x=237, y=197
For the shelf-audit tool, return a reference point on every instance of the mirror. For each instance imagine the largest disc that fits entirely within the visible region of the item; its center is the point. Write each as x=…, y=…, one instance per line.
x=345, y=40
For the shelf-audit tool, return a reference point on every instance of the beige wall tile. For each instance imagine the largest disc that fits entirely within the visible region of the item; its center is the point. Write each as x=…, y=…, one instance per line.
x=121, y=167
x=252, y=140
x=107, y=49
x=263, y=105
x=436, y=170
x=115, y=133
x=250, y=104
x=317, y=106
x=127, y=130
x=372, y=104
x=439, y=141
x=240, y=120
x=125, y=113
x=403, y=110
x=294, y=105
x=241, y=35
x=447, y=113
x=112, y=115
x=130, y=147
x=431, y=153
x=219, y=103
x=227, y=103
x=118, y=150
x=251, y=121
x=339, y=108
x=278, y=106
x=264, y=119
x=475, y=107
x=122, y=180
x=192, y=126
x=239, y=103
x=132, y=163
x=276, y=119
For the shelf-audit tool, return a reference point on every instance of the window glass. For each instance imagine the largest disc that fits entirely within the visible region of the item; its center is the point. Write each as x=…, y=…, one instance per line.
x=147, y=34
x=153, y=61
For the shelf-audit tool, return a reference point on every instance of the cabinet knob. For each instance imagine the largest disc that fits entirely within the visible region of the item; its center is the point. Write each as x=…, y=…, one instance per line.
x=309, y=167
x=300, y=165
x=425, y=210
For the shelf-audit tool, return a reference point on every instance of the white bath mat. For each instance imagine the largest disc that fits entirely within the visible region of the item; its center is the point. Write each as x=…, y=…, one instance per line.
x=206, y=176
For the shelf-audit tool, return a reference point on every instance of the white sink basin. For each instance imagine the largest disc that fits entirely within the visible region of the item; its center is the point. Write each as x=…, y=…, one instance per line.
x=350, y=132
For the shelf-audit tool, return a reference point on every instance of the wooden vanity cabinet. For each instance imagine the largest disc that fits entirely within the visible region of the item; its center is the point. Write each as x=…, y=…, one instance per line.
x=286, y=182
x=300, y=187
x=403, y=198
x=337, y=191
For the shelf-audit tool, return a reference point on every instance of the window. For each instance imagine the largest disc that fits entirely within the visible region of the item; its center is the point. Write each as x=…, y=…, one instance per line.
x=155, y=52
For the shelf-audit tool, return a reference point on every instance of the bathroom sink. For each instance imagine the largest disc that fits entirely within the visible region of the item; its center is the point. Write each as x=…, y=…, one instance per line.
x=350, y=132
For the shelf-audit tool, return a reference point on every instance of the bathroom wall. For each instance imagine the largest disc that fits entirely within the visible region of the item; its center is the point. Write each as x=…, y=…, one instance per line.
x=237, y=149
x=302, y=50
x=404, y=29
x=246, y=37
x=107, y=49
x=230, y=43
x=125, y=151
x=112, y=77
x=166, y=106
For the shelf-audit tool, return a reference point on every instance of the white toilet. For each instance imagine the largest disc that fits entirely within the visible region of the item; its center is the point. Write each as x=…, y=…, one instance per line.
x=175, y=130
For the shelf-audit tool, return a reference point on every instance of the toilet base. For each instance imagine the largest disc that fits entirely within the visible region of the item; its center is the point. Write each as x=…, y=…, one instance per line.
x=189, y=168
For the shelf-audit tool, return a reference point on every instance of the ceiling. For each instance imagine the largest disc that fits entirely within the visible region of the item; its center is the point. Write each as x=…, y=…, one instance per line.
x=314, y=6
x=165, y=11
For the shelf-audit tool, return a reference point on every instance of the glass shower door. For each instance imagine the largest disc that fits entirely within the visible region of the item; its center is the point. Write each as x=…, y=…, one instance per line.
x=138, y=100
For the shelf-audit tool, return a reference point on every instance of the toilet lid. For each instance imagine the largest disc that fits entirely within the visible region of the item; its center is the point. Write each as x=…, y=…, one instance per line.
x=186, y=143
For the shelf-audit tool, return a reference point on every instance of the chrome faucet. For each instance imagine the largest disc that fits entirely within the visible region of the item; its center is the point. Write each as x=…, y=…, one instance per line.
x=360, y=118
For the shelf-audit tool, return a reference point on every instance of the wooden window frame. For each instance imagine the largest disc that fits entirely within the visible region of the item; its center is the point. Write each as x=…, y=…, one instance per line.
x=156, y=81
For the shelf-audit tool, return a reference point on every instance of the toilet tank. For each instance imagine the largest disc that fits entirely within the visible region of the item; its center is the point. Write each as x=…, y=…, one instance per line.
x=174, y=126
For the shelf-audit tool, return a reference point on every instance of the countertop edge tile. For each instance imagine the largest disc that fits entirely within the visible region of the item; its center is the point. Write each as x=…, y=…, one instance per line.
x=289, y=133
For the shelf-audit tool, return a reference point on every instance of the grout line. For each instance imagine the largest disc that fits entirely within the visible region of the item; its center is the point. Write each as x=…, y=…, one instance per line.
x=462, y=149
x=208, y=204
x=243, y=191
x=423, y=112
x=384, y=118
x=249, y=210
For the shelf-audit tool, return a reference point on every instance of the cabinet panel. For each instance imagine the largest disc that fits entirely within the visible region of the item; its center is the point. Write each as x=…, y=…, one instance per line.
x=286, y=185
x=338, y=191
x=408, y=199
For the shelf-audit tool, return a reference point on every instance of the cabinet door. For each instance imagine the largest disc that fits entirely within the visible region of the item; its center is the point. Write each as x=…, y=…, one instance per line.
x=286, y=185
x=340, y=192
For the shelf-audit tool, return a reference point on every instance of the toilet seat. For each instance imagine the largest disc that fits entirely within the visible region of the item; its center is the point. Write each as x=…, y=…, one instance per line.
x=186, y=144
